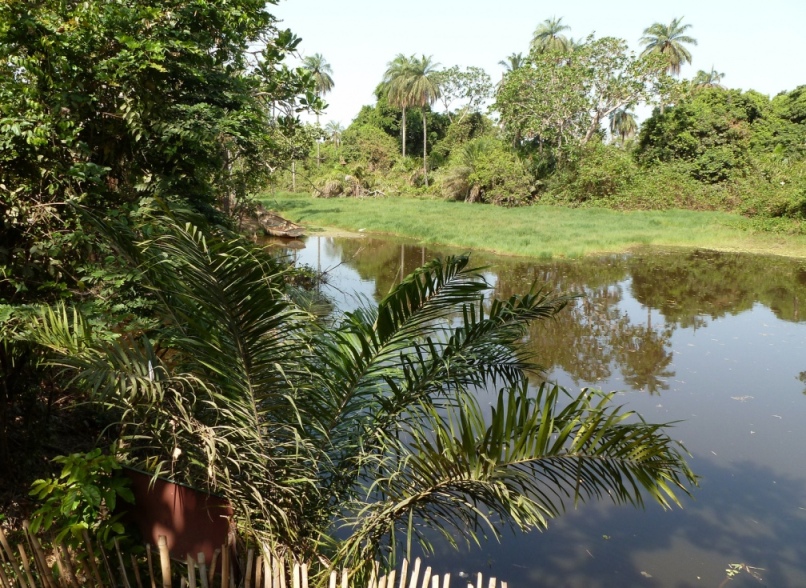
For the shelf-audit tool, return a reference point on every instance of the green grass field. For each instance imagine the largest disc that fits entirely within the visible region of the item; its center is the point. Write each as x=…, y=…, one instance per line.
x=534, y=231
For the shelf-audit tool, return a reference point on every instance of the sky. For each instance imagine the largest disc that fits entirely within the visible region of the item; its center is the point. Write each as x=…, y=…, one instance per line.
x=757, y=45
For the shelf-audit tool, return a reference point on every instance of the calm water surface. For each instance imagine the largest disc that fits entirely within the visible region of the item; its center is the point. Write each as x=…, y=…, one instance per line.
x=715, y=341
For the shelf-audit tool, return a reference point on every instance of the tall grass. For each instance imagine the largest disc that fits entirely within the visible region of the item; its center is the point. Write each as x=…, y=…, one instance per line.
x=534, y=231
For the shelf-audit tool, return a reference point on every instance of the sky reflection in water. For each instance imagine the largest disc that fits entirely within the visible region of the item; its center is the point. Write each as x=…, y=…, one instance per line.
x=715, y=341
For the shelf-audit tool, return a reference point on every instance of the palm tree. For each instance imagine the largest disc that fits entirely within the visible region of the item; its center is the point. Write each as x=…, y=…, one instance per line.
x=708, y=79
x=369, y=427
x=323, y=82
x=623, y=124
x=512, y=62
x=322, y=73
x=547, y=36
x=668, y=40
x=334, y=131
x=422, y=89
x=395, y=84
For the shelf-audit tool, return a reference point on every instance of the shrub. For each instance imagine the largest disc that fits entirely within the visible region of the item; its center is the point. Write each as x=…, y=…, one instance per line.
x=592, y=173
x=486, y=170
x=369, y=146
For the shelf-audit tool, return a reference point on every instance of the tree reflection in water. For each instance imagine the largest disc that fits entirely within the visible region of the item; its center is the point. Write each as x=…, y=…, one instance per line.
x=596, y=337
x=697, y=328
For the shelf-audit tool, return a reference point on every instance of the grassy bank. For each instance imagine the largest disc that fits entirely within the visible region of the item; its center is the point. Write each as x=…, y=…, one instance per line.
x=534, y=231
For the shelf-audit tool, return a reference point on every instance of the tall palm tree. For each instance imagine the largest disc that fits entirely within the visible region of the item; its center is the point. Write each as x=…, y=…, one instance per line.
x=669, y=41
x=395, y=83
x=623, y=124
x=512, y=62
x=371, y=426
x=547, y=36
x=322, y=73
x=708, y=79
x=422, y=89
x=323, y=82
x=334, y=130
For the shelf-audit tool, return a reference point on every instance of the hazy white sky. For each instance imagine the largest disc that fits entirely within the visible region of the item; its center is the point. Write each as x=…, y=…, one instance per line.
x=758, y=45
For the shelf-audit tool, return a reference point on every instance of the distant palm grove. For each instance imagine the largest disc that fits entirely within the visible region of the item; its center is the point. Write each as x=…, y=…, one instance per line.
x=559, y=126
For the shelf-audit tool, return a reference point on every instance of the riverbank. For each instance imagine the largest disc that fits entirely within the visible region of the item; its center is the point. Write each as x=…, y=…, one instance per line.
x=534, y=231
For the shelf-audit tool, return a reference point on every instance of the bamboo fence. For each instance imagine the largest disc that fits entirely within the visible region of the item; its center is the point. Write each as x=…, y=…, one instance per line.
x=31, y=565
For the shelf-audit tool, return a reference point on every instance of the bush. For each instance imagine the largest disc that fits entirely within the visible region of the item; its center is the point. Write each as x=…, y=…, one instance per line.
x=486, y=170
x=592, y=173
x=369, y=146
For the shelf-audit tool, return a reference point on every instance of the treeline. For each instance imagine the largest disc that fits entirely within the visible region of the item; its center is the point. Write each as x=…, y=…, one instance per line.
x=560, y=127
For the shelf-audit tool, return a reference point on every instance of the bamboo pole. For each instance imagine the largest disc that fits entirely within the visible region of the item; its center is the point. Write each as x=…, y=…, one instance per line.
x=91, y=560
x=150, y=566
x=63, y=579
x=259, y=571
x=16, y=570
x=267, y=574
x=345, y=573
x=4, y=581
x=123, y=573
x=415, y=575
x=71, y=573
x=281, y=573
x=39, y=557
x=275, y=572
x=295, y=576
x=136, y=569
x=165, y=561
x=403, y=572
x=107, y=567
x=191, y=571
x=250, y=557
x=203, y=571
x=25, y=566
x=427, y=577
x=304, y=575
x=213, y=564
x=224, y=566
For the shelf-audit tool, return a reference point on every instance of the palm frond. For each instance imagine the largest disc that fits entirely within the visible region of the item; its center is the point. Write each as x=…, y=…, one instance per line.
x=465, y=473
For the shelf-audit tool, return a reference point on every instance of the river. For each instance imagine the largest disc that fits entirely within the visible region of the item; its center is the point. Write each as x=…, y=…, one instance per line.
x=712, y=341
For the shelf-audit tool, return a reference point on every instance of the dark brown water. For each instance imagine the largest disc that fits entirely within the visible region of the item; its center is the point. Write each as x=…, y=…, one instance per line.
x=715, y=341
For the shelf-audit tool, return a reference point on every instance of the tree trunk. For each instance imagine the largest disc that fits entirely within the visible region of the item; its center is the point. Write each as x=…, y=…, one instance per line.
x=318, y=159
x=425, y=151
x=404, y=131
x=293, y=176
x=594, y=126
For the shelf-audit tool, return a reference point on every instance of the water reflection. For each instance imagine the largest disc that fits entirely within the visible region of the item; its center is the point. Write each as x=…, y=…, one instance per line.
x=714, y=341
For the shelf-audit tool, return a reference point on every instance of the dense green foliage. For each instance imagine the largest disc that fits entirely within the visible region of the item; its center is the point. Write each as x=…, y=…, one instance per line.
x=105, y=105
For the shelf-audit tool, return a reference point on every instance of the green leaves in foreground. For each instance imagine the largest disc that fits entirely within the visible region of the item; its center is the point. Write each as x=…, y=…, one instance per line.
x=339, y=440
x=466, y=473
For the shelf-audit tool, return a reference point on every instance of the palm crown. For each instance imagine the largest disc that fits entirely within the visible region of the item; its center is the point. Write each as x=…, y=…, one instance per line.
x=322, y=72
x=668, y=40
x=547, y=36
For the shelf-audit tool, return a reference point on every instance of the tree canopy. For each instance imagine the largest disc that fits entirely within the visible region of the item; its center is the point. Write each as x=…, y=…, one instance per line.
x=559, y=98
